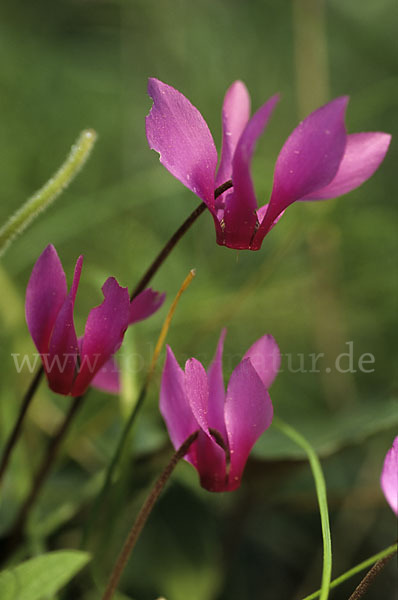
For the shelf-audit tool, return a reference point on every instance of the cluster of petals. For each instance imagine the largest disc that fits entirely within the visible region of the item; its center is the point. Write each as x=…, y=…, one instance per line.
x=318, y=161
x=71, y=364
x=389, y=476
x=228, y=422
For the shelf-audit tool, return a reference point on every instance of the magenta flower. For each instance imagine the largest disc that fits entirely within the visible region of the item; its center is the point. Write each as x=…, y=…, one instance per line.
x=71, y=364
x=228, y=423
x=318, y=161
x=389, y=476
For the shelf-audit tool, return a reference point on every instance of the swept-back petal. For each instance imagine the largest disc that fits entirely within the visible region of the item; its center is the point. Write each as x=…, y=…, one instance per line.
x=103, y=333
x=240, y=216
x=210, y=454
x=45, y=294
x=177, y=130
x=108, y=378
x=265, y=357
x=309, y=159
x=145, y=304
x=248, y=413
x=217, y=389
x=235, y=115
x=174, y=405
x=363, y=154
x=63, y=354
x=389, y=476
x=197, y=392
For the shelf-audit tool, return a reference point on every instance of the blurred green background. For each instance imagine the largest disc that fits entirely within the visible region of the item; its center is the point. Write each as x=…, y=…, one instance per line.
x=325, y=276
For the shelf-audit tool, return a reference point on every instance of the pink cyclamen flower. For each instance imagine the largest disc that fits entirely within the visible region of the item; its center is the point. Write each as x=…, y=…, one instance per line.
x=389, y=476
x=229, y=423
x=71, y=364
x=318, y=161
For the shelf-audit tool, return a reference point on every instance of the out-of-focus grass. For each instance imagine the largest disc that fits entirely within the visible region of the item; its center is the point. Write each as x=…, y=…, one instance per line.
x=325, y=276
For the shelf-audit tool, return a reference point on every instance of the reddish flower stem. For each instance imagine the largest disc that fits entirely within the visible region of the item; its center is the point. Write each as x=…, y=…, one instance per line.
x=163, y=254
x=366, y=582
x=14, y=538
x=142, y=517
x=16, y=432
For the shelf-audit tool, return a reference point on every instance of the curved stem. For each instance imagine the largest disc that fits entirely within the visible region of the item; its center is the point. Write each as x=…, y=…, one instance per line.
x=163, y=254
x=142, y=517
x=53, y=448
x=46, y=195
x=121, y=445
x=386, y=553
x=320, y=486
x=366, y=582
x=16, y=432
x=15, y=536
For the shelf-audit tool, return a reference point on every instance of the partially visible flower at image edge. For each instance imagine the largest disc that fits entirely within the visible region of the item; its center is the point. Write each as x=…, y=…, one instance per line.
x=317, y=162
x=389, y=476
x=72, y=364
x=229, y=423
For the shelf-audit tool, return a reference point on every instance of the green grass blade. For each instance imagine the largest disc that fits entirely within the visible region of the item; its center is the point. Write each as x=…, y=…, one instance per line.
x=322, y=501
x=357, y=569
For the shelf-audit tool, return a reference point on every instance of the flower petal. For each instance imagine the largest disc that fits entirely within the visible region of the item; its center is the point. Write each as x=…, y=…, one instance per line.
x=103, y=333
x=248, y=413
x=261, y=212
x=45, y=294
x=177, y=130
x=235, y=115
x=258, y=239
x=240, y=216
x=389, y=476
x=309, y=159
x=63, y=353
x=211, y=464
x=145, y=304
x=362, y=157
x=217, y=390
x=197, y=392
x=211, y=461
x=174, y=405
x=108, y=378
x=265, y=357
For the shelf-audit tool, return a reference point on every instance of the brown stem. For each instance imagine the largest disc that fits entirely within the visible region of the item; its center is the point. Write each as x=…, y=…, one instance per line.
x=16, y=432
x=163, y=254
x=366, y=582
x=15, y=536
x=143, y=516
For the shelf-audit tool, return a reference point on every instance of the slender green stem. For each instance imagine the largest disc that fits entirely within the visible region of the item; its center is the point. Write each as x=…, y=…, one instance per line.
x=127, y=430
x=16, y=432
x=386, y=553
x=320, y=486
x=111, y=469
x=370, y=576
x=49, y=458
x=142, y=517
x=46, y=195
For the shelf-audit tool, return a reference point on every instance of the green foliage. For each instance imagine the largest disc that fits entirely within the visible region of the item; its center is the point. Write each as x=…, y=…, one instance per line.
x=41, y=577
